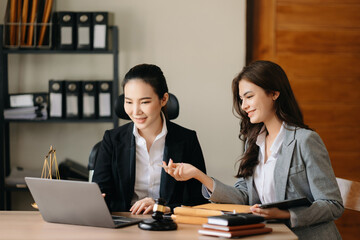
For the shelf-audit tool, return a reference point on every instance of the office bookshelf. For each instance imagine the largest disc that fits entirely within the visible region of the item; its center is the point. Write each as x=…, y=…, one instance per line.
x=5, y=190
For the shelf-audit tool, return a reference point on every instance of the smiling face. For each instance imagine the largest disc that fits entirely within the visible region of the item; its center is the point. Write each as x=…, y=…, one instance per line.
x=258, y=104
x=143, y=105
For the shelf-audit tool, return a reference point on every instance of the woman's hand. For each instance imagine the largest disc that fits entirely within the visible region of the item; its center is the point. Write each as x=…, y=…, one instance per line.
x=270, y=213
x=181, y=171
x=144, y=205
x=185, y=171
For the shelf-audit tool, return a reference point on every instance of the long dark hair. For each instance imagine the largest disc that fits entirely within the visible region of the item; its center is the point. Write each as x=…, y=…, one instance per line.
x=270, y=77
x=150, y=74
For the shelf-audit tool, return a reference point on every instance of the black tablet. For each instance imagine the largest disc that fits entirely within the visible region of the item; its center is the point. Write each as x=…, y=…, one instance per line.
x=286, y=204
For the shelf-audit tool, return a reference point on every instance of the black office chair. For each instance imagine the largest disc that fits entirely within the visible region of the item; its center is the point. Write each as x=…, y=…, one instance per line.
x=172, y=108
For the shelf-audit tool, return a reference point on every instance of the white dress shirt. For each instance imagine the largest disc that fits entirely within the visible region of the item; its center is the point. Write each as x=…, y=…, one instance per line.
x=147, y=171
x=264, y=172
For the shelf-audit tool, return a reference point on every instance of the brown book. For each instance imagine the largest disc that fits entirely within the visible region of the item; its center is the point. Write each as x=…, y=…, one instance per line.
x=190, y=211
x=198, y=214
x=225, y=207
x=233, y=228
x=236, y=233
x=189, y=219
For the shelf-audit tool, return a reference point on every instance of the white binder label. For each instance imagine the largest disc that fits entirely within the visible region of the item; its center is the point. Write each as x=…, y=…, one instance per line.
x=72, y=105
x=66, y=35
x=84, y=36
x=99, y=36
x=55, y=104
x=25, y=100
x=88, y=105
x=104, y=105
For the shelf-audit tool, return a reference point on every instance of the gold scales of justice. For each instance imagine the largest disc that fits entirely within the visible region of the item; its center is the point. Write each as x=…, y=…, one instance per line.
x=49, y=163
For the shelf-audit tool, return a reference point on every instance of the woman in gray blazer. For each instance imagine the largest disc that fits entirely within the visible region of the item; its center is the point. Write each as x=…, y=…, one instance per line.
x=283, y=158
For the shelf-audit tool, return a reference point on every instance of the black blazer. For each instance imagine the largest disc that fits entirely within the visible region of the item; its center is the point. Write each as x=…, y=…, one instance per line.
x=115, y=167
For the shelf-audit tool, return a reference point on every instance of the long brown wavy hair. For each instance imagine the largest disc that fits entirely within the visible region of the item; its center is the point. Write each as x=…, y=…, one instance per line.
x=270, y=77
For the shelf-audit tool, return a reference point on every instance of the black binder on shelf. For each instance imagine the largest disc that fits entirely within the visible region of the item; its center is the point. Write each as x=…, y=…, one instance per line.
x=65, y=34
x=41, y=98
x=21, y=100
x=90, y=101
x=28, y=99
x=100, y=35
x=72, y=99
x=84, y=30
x=56, y=99
x=105, y=99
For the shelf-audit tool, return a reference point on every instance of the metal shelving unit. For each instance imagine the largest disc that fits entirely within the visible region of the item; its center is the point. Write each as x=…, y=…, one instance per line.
x=5, y=191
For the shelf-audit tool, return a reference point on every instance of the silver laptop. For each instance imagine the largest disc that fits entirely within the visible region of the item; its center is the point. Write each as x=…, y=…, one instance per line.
x=74, y=202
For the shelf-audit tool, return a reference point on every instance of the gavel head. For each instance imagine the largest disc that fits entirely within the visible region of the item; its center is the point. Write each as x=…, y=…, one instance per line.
x=158, y=209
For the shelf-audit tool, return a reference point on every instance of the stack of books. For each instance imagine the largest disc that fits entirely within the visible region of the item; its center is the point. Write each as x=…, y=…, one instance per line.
x=34, y=112
x=234, y=225
x=199, y=214
x=30, y=106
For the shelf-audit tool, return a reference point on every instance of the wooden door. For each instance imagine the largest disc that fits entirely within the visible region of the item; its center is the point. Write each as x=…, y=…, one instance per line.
x=317, y=42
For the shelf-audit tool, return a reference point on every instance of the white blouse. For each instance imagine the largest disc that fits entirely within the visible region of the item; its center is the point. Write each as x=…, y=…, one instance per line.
x=147, y=170
x=264, y=172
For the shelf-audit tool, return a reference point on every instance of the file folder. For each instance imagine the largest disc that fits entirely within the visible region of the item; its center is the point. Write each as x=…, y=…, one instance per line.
x=105, y=99
x=100, y=36
x=31, y=36
x=35, y=112
x=56, y=90
x=89, y=99
x=65, y=33
x=84, y=30
x=44, y=25
x=24, y=19
x=40, y=99
x=72, y=92
x=28, y=99
x=21, y=100
x=12, y=20
x=12, y=23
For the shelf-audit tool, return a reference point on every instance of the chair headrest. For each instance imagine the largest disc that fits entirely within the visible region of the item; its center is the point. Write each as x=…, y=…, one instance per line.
x=172, y=107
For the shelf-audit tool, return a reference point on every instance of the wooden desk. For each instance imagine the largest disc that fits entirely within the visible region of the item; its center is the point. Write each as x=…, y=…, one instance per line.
x=28, y=225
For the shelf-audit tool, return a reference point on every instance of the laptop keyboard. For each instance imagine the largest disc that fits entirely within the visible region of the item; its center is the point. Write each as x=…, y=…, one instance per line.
x=120, y=219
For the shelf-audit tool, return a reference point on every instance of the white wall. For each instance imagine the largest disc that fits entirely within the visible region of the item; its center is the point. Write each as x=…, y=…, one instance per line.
x=200, y=46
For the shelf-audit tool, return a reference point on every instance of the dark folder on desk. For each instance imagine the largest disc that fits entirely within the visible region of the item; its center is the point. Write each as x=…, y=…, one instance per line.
x=72, y=99
x=100, y=24
x=65, y=32
x=56, y=99
x=105, y=99
x=89, y=99
x=84, y=30
x=289, y=203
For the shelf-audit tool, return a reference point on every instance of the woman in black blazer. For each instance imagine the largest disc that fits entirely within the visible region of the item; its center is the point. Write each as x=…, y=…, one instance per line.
x=128, y=167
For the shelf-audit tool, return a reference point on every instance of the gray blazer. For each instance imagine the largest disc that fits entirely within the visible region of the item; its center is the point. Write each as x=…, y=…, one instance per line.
x=303, y=168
